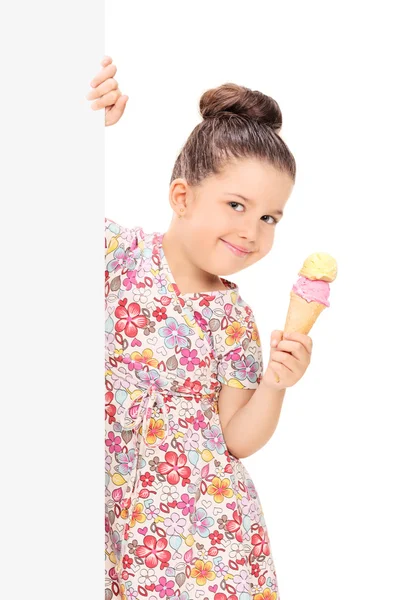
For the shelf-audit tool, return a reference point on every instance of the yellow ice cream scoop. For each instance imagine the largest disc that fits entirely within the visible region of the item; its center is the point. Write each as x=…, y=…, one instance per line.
x=309, y=295
x=321, y=266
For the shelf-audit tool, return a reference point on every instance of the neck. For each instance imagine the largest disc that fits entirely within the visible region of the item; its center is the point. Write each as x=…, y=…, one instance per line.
x=185, y=273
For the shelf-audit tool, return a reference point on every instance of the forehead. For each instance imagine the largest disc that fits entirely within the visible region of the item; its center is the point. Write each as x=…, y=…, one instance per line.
x=255, y=180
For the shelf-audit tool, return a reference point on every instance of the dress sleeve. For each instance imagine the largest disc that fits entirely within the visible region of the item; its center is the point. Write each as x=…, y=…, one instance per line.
x=239, y=353
x=121, y=245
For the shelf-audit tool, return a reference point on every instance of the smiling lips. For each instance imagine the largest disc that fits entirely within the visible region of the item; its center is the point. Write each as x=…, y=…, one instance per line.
x=237, y=250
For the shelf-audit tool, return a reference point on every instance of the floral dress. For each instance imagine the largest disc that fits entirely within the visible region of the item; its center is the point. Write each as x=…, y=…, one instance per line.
x=183, y=518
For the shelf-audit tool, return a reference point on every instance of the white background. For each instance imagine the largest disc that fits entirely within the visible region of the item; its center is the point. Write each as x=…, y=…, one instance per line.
x=328, y=477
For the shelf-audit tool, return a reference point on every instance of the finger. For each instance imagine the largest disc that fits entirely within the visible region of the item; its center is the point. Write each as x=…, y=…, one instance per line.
x=279, y=369
x=284, y=358
x=106, y=100
x=305, y=340
x=102, y=89
x=295, y=348
x=115, y=113
x=106, y=61
x=105, y=73
x=276, y=337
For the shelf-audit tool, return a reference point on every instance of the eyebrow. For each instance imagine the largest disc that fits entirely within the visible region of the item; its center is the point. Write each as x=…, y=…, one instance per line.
x=275, y=212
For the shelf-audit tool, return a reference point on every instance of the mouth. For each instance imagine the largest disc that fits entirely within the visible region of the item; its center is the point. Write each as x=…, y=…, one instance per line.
x=236, y=250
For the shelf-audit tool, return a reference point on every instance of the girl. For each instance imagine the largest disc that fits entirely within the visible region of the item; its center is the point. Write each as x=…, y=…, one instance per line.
x=186, y=393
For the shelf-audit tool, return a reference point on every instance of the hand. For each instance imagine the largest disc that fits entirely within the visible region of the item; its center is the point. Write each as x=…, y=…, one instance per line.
x=289, y=359
x=106, y=94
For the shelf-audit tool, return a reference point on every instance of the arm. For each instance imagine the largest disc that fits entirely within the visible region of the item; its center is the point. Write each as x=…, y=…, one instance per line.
x=249, y=417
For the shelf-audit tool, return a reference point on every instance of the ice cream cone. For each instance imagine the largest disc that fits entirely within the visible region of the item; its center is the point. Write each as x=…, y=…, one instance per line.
x=301, y=314
x=310, y=293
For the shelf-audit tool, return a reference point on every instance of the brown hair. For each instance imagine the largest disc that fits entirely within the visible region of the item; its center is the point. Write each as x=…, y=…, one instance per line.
x=237, y=123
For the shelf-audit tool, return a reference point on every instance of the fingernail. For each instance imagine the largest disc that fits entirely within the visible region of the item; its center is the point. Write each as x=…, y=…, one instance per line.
x=92, y=83
x=286, y=335
x=274, y=343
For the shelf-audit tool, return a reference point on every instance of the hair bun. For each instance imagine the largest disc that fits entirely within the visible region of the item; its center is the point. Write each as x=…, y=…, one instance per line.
x=230, y=98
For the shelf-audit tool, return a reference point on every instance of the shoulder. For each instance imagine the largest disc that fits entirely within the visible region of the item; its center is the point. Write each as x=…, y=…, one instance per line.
x=121, y=245
x=246, y=325
x=241, y=308
x=128, y=246
x=121, y=233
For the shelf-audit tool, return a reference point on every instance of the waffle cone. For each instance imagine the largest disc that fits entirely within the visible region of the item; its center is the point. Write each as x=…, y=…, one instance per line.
x=301, y=314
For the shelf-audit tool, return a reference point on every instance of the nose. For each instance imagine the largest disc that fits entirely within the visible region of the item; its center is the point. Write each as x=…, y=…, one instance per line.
x=249, y=233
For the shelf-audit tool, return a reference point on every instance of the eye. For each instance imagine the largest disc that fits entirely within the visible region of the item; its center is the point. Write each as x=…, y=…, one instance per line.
x=274, y=221
x=236, y=203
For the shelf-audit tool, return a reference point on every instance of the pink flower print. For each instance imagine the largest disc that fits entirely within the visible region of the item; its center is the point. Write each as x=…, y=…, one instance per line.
x=110, y=409
x=165, y=588
x=200, y=320
x=126, y=462
x=204, y=343
x=127, y=360
x=214, y=439
x=189, y=358
x=130, y=280
x=161, y=281
x=129, y=319
x=233, y=354
x=119, y=259
x=260, y=543
x=153, y=379
x=249, y=508
x=191, y=440
x=130, y=235
x=246, y=369
x=145, y=266
x=241, y=581
x=201, y=523
x=174, y=334
x=153, y=551
x=199, y=421
x=235, y=526
x=221, y=569
x=120, y=382
x=113, y=442
x=174, y=467
x=131, y=593
x=186, y=504
x=125, y=503
x=152, y=511
x=174, y=524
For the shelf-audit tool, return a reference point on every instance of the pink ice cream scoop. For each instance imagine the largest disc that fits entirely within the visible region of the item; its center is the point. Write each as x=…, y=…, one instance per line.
x=312, y=290
x=310, y=294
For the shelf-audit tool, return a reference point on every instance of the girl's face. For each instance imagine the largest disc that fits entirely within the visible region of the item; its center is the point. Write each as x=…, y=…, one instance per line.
x=215, y=216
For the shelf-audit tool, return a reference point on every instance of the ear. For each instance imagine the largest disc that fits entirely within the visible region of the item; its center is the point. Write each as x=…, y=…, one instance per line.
x=178, y=191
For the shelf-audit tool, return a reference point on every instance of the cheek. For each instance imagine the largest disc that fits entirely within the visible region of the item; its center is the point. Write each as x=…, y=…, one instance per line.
x=266, y=246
